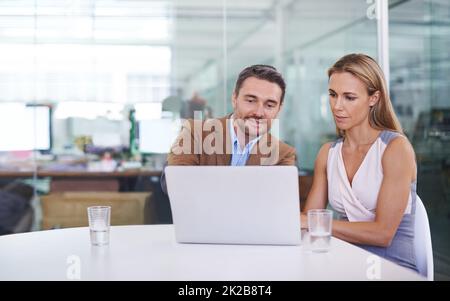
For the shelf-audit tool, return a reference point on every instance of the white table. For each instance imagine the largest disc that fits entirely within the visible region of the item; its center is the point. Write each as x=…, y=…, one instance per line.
x=151, y=253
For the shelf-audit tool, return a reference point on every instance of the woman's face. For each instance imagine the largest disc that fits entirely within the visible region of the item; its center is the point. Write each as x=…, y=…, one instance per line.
x=349, y=100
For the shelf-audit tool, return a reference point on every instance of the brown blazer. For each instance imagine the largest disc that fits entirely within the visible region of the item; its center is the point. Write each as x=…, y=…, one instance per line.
x=268, y=151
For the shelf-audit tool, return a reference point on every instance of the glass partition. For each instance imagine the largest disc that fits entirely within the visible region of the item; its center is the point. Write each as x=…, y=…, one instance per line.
x=420, y=83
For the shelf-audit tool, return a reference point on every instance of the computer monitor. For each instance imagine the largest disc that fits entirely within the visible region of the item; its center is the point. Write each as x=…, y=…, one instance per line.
x=156, y=136
x=25, y=127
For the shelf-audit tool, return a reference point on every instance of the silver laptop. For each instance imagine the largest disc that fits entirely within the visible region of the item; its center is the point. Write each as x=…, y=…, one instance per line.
x=235, y=205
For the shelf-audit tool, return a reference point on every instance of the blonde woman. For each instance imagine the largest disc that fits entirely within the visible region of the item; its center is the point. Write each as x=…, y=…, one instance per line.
x=369, y=174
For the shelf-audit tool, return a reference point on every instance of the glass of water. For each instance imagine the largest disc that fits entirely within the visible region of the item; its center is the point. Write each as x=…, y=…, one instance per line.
x=319, y=228
x=99, y=222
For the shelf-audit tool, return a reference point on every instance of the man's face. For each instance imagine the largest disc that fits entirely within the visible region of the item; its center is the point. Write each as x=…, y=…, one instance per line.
x=255, y=105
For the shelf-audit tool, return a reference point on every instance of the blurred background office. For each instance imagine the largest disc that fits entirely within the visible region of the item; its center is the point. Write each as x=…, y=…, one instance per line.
x=92, y=92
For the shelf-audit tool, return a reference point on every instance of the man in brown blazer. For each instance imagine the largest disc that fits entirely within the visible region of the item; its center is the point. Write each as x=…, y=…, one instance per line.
x=241, y=138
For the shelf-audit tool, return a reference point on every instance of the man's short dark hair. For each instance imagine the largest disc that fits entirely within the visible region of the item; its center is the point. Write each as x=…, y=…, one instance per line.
x=264, y=72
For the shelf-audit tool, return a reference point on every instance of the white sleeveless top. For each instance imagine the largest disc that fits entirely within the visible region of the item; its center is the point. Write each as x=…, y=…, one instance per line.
x=358, y=202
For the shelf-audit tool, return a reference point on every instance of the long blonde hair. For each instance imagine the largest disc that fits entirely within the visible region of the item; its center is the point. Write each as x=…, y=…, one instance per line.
x=381, y=115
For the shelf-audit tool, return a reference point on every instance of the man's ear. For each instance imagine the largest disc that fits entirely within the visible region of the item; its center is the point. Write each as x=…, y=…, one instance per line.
x=234, y=100
x=374, y=98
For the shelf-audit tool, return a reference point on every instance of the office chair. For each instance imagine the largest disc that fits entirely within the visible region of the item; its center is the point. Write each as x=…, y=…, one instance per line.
x=16, y=212
x=422, y=242
x=25, y=223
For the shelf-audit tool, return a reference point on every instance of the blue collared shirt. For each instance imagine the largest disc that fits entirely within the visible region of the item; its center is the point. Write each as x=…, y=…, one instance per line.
x=239, y=156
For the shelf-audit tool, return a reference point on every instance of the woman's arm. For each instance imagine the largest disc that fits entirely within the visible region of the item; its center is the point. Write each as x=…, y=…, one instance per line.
x=399, y=169
x=318, y=195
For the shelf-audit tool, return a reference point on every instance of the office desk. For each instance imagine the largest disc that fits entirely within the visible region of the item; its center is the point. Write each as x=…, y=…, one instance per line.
x=77, y=174
x=84, y=180
x=116, y=180
x=151, y=253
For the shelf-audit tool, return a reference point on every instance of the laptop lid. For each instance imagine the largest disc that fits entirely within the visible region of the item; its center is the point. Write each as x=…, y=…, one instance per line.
x=235, y=205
